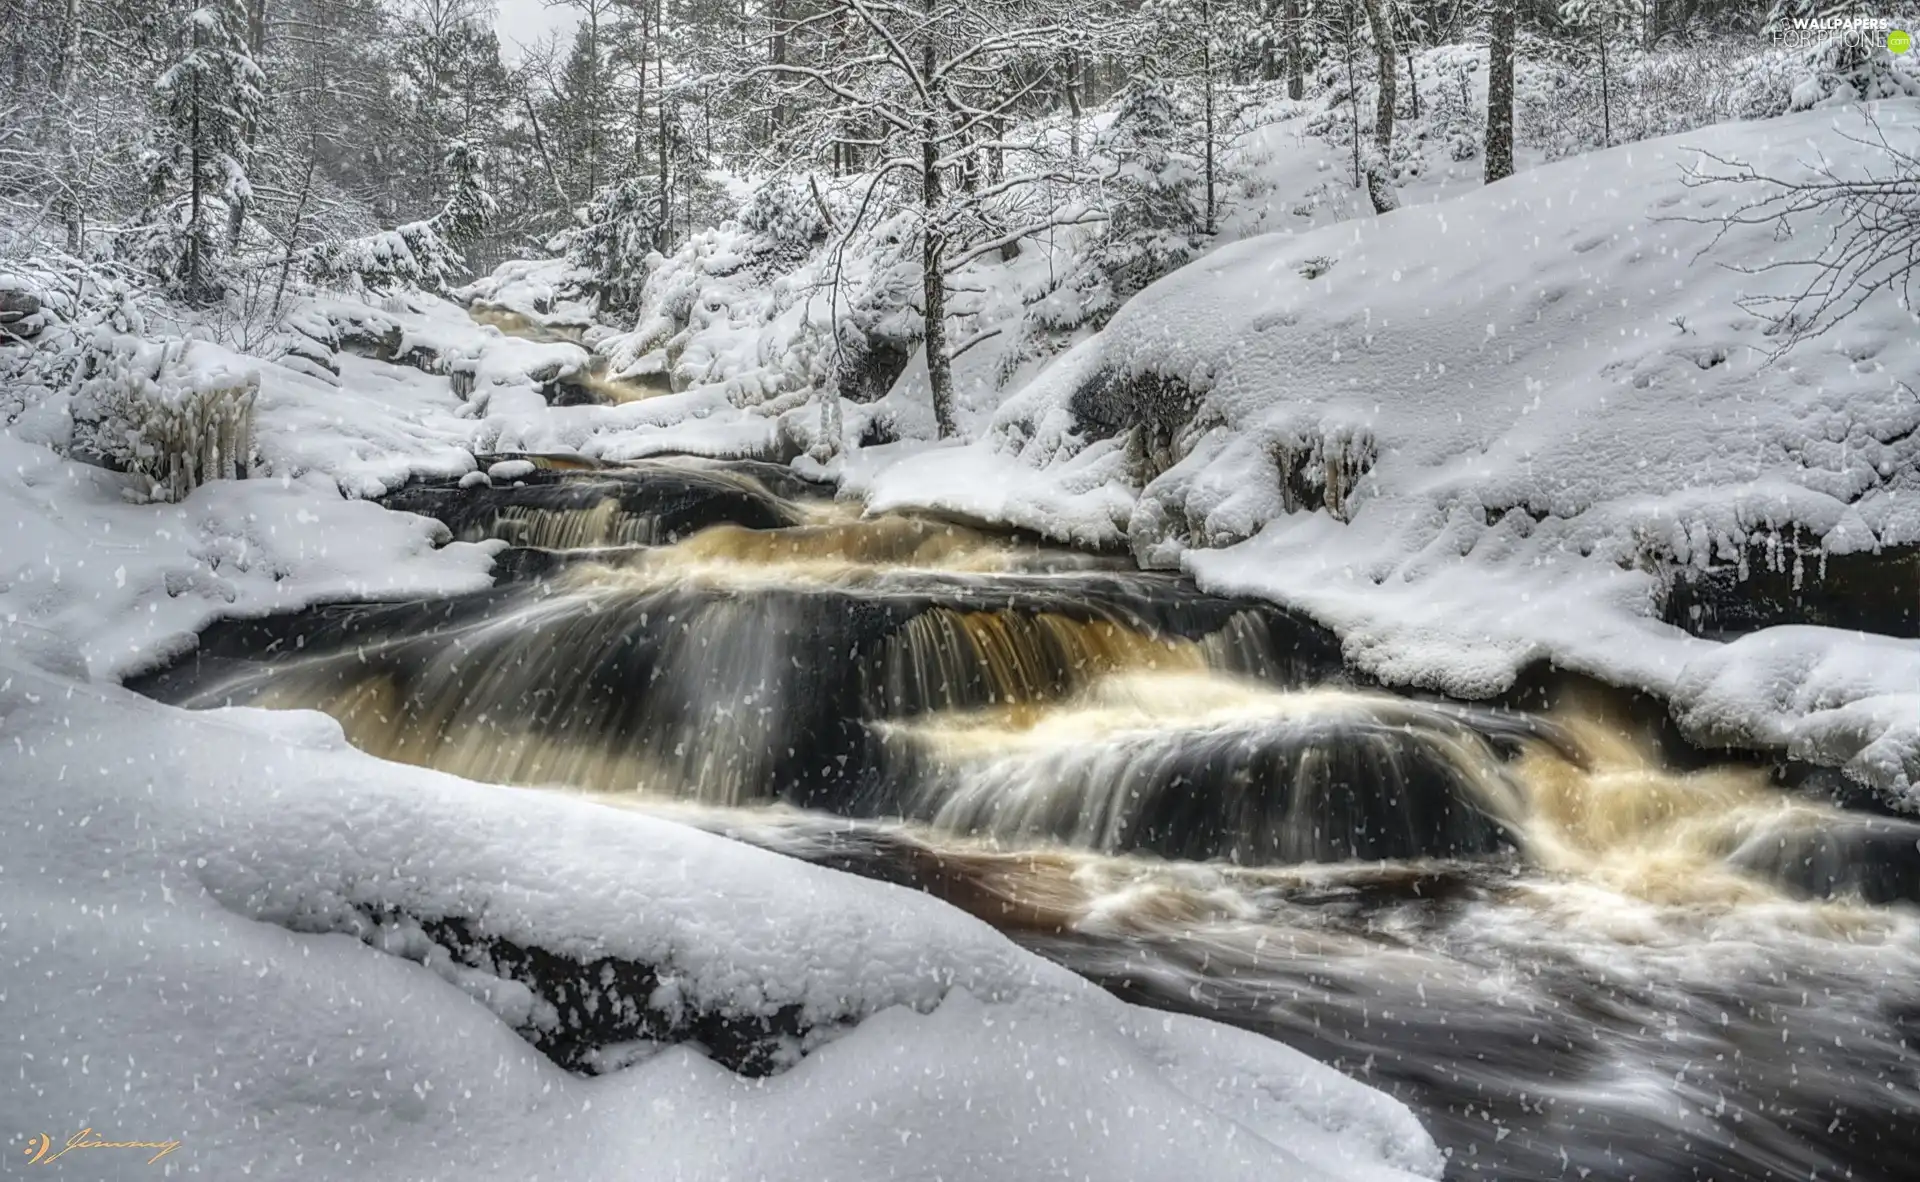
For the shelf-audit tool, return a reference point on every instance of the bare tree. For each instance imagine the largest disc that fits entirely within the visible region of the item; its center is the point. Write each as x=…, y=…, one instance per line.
x=931, y=78
x=1863, y=226
x=1607, y=19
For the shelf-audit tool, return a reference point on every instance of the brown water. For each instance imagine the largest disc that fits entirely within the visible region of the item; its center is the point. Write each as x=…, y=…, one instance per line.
x=595, y=384
x=514, y=324
x=1573, y=956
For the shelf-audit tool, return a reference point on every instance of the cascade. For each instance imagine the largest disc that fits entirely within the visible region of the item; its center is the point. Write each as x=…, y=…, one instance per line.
x=1572, y=956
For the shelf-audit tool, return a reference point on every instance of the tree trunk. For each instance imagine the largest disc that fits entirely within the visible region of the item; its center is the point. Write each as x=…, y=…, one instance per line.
x=540, y=143
x=195, y=294
x=293, y=237
x=1383, y=48
x=1606, y=96
x=640, y=101
x=939, y=365
x=63, y=50
x=1353, y=93
x=1296, y=56
x=1073, y=103
x=665, y=232
x=595, y=109
x=777, y=54
x=1500, y=93
x=256, y=27
x=1413, y=80
x=1207, y=113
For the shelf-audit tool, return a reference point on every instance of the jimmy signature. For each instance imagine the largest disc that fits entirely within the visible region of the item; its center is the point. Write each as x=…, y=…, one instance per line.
x=41, y=1148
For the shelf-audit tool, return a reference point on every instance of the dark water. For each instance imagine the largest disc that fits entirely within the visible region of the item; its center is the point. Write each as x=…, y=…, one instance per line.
x=1571, y=957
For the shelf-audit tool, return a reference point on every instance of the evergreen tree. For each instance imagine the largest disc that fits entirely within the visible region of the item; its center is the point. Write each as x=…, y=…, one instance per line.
x=212, y=100
x=470, y=207
x=622, y=223
x=1154, y=199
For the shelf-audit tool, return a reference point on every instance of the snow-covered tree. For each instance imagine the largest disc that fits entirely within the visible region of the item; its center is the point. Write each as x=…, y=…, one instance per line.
x=1204, y=47
x=212, y=97
x=414, y=255
x=612, y=246
x=939, y=83
x=470, y=205
x=1154, y=200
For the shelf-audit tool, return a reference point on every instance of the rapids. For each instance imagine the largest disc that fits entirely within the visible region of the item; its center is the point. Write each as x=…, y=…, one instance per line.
x=1575, y=951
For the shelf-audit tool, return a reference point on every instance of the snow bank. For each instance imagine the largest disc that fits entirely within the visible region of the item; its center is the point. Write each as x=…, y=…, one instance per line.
x=1469, y=435
x=202, y=876
x=130, y=582
x=543, y=292
x=1844, y=699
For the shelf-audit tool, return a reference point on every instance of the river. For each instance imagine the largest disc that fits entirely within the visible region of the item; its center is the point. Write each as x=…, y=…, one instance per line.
x=1575, y=948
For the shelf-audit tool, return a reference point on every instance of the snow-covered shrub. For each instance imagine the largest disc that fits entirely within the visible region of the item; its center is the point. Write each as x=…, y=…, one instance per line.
x=786, y=218
x=760, y=264
x=414, y=255
x=1845, y=70
x=148, y=410
x=775, y=304
x=75, y=301
x=1561, y=107
x=1455, y=112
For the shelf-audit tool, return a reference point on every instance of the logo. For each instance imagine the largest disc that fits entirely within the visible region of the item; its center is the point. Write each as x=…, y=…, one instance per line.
x=41, y=1147
x=1856, y=31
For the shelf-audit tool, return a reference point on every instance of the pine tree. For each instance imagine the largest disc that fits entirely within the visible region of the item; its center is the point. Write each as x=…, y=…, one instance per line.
x=470, y=206
x=1154, y=200
x=622, y=224
x=212, y=101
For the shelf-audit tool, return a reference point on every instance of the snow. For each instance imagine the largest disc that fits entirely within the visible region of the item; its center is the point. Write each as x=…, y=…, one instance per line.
x=128, y=582
x=1845, y=699
x=533, y=289
x=1517, y=437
